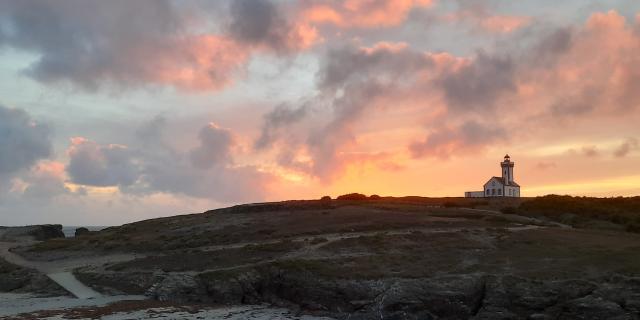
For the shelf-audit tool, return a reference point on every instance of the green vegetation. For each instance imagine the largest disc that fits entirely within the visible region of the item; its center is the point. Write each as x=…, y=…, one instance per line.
x=585, y=212
x=52, y=244
x=203, y=260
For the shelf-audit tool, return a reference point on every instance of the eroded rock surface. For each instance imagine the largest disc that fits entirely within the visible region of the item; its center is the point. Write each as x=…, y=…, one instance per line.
x=37, y=232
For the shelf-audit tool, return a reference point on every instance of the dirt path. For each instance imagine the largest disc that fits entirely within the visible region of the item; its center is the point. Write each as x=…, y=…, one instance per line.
x=60, y=271
x=520, y=219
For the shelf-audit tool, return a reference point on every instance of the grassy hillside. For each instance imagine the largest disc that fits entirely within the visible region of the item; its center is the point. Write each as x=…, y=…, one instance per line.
x=449, y=258
x=584, y=212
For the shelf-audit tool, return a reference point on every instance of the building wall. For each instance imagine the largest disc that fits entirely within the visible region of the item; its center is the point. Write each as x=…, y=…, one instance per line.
x=511, y=191
x=474, y=194
x=493, y=188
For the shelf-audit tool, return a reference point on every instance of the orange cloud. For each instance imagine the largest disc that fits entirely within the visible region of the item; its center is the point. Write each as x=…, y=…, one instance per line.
x=361, y=13
x=610, y=20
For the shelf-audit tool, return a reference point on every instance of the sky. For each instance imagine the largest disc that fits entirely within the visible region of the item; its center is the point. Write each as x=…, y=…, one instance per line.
x=117, y=111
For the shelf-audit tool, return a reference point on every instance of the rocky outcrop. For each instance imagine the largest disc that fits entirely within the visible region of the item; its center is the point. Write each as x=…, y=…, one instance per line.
x=115, y=283
x=81, y=231
x=458, y=296
x=14, y=278
x=178, y=288
x=37, y=232
x=473, y=296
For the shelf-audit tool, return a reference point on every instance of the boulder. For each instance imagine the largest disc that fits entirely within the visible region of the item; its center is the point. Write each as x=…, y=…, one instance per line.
x=37, y=232
x=81, y=231
x=177, y=288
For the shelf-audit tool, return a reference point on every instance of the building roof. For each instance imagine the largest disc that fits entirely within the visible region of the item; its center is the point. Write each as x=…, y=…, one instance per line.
x=501, y=180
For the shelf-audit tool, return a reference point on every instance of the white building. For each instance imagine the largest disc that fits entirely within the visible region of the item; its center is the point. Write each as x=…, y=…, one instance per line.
x=504, y=186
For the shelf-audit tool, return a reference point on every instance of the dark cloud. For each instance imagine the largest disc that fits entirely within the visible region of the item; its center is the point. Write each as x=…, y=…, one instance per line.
x=120, y=44
x=480, y=84
x=280, y=117
x=92, y=164
x=264, y=23
x=152, y=165
x=214, y=149
x=590, y=151
x=465, y=139
x=570, y=106
x=206, y=171
x=256, y=21
x=152, y=130
x=86, y=42
x=23, y=142
x=392, y=63
x=630, y=145
x=545, y=51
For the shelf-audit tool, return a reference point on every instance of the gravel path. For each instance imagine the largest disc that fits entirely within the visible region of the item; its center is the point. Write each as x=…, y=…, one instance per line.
x=60, y=271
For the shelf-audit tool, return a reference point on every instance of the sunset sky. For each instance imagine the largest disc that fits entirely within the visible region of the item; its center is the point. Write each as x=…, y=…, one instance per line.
x=116, y=111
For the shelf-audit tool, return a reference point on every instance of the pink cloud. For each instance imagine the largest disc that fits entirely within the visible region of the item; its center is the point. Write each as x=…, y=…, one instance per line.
x=200, y=63
x=504, y=24
x=165, y=45
x=361, y=13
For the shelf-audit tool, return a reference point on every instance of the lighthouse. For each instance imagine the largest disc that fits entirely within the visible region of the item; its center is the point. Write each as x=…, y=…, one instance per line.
x=504, y=186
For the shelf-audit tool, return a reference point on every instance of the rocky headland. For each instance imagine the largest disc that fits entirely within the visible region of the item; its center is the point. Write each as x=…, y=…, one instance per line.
x=389, y=258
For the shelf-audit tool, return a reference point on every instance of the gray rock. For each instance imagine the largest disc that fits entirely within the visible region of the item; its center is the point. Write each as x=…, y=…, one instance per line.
x=37, y=232
x=177, y=287
x=593, y=308
x=81, y=231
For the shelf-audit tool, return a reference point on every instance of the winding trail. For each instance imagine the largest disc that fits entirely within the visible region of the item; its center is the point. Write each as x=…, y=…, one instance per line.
x=60, y=271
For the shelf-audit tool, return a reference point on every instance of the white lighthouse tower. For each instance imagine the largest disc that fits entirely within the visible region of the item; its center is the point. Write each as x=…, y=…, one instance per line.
x=507, y=170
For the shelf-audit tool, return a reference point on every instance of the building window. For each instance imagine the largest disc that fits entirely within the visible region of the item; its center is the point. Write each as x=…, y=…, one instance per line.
x=499, y=192
x=486, y=192
x=493, y=191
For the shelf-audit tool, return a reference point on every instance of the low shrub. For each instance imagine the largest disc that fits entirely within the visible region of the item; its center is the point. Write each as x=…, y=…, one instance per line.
x=353, y=196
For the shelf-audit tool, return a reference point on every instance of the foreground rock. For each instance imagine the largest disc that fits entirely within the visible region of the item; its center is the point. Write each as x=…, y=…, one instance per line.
x=18, y=280
x=469, y=296
x=81, y=231
x=451, y=297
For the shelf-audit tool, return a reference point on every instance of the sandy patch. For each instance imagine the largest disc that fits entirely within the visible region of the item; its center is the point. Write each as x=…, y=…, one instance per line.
x=23, y=307
x=12, y=304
